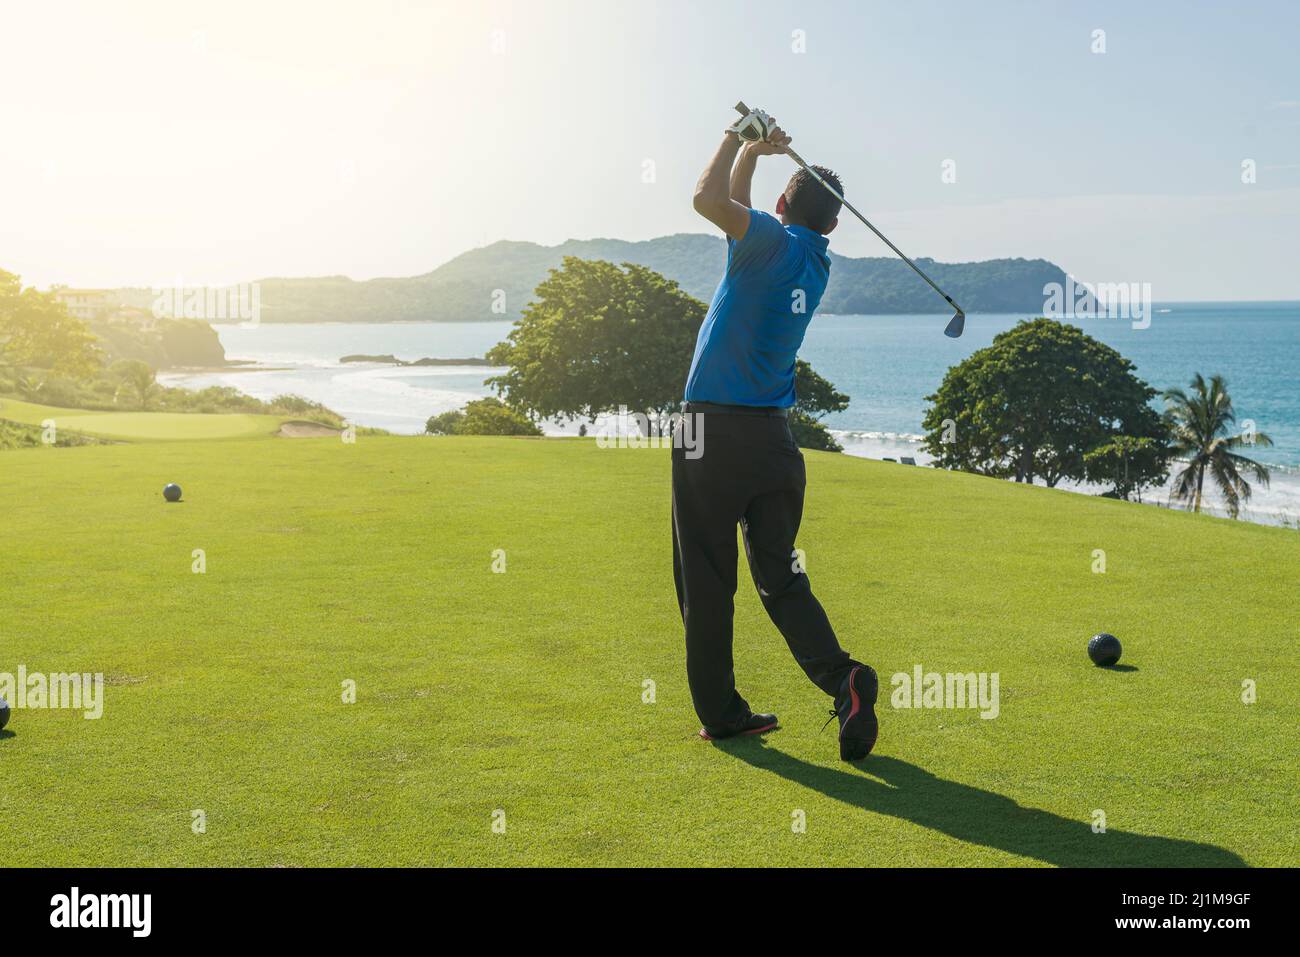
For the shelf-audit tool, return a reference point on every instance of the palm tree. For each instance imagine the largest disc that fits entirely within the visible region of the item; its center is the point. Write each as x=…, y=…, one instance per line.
x=136, y=380
x=1199, y=425
x=28, y=386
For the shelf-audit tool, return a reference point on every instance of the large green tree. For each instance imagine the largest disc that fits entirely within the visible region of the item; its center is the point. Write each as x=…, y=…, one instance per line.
x=815, y=397
x=1036, y=402
x=599, y=336
x=37, y=332
x=1204, y=439
x=596, y=337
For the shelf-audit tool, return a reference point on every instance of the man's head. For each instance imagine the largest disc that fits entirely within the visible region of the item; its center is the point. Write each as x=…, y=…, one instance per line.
x=808, y=203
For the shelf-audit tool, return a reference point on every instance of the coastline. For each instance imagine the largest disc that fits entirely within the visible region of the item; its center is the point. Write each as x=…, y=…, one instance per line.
x=1278, y=505
x=231, y=365
x=876, y=360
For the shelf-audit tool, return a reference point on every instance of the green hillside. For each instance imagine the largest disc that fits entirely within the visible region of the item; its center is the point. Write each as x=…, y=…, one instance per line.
x=466, y=287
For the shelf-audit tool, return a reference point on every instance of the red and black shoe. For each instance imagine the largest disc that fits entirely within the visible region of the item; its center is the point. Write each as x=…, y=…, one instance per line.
x=856, y=709
x=753, y=724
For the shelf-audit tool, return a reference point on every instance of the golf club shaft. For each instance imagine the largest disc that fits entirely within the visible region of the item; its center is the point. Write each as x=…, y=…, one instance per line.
x=742, y=109
x=849, y=206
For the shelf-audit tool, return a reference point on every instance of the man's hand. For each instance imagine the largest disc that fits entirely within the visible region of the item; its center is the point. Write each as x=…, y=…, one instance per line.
x=777, y=142
x=722, y=195
x=743, y=172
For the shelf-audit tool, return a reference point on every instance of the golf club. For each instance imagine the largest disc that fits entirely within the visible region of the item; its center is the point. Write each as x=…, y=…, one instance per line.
x=958, y=322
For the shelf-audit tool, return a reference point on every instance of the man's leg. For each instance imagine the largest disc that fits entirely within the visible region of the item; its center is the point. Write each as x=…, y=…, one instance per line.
x=770, y=525
x=704, y=566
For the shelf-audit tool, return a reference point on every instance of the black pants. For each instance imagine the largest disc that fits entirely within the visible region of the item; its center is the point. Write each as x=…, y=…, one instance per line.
x=746, y=469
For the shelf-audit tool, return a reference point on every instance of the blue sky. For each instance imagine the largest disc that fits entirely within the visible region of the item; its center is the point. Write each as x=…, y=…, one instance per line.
x=227, y=142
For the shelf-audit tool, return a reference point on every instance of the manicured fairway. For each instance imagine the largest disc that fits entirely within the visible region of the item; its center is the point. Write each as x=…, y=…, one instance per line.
x=523, y=691
x=132, y=426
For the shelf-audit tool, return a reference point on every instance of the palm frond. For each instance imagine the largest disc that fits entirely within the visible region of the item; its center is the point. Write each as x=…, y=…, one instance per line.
x=1258, y=469
x=1261, y=439
x=1184, y=488
x=1232, y=486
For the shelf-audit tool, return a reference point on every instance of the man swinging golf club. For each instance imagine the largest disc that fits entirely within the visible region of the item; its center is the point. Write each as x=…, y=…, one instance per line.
x=750, y=471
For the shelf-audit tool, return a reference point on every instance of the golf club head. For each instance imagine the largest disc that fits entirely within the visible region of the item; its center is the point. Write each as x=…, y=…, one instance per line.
x=956, y=325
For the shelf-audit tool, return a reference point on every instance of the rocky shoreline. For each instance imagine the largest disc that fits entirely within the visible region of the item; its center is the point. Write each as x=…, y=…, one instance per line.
x=394, y=361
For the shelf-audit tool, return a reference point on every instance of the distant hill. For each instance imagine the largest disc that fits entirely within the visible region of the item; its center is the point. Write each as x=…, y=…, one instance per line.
x=464, y=288
x=163, y=343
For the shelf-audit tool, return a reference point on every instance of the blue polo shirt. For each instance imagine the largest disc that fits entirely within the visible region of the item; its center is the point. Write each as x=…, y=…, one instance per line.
x=745, y=351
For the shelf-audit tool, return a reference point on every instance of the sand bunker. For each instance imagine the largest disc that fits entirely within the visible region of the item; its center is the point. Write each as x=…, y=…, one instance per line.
x=304, y=430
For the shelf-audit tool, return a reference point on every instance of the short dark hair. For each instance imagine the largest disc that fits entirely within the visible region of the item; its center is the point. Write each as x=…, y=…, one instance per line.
x=811, y=204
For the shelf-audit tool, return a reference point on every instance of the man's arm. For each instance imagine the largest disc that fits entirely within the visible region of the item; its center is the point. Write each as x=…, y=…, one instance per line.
x=713, y=192
x=742, y=175
x=722, y=194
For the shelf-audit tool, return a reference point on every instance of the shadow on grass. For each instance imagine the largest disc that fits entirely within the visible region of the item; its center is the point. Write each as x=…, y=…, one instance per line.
x=7, y=734
x=1123, y=668
x=895, y=788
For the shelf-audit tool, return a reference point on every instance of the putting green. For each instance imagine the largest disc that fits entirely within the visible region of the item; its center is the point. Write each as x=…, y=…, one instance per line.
x=141, y=426
x=552, y=697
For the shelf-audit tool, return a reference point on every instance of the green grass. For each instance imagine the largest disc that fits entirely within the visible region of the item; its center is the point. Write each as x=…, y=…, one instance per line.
x=141, y=426
x=523, y=691
x=16, y=436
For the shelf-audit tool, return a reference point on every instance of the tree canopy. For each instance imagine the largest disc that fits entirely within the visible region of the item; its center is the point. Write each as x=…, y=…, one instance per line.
x=1037, y=401
x=595, y=337
x=37, y=331
x=599, y=336
x=488, y=416
x=815, y=397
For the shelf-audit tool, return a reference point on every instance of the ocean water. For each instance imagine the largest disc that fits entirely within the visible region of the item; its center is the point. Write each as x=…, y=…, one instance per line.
x=887, y=364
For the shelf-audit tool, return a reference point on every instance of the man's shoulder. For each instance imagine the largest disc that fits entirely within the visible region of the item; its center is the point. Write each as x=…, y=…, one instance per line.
x=765, y=240
x=766, y=225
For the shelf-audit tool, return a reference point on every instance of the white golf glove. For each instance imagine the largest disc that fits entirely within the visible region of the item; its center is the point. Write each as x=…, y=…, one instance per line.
x=753, y=127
